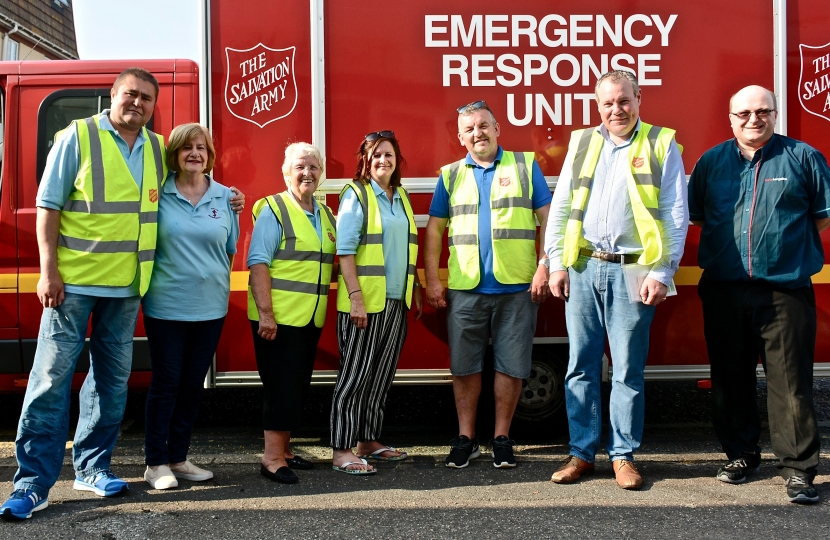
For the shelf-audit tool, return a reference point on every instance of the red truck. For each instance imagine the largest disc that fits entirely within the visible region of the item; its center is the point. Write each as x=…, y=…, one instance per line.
x=328, y=72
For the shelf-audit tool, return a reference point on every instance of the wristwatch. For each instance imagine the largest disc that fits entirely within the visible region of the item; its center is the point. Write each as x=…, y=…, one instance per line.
x=544, y=262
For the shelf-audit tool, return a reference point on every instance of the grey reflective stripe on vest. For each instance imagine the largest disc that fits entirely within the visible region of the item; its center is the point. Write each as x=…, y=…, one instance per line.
x=371, y=271
x=463, y=209
x=146, y=255
x=98, y=246
x=581, y=153
x=102, y=207
x=299, y=286
x=413, y=238
x=463, y=240
x=576, y=214
x=453, y=175
x=325, y=208
x=655, y=213
x=364, y=204
x=287, y=226
x=512, y=202
x=148, y=217
x=373, y=238
x=154, y=142
x=410, y=269
x=655, y=178
x=524, y=178
x=285, y=255
x=513, y=234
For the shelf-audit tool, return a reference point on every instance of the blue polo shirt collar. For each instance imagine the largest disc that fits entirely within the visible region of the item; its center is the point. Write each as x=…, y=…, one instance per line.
x=759, y=154
x=214, y=189
x=104, y=123
x=379, y=192
x=471, y=161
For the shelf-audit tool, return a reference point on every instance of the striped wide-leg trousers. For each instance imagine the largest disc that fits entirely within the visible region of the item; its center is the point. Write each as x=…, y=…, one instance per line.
x=368, y=359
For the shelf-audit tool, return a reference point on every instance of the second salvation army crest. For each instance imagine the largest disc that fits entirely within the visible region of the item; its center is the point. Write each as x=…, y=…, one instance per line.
x=814, y=82
x=259, y=84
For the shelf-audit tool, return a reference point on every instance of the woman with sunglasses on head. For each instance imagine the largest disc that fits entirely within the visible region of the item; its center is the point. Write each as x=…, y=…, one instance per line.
x=290, y=258
x=377, y=242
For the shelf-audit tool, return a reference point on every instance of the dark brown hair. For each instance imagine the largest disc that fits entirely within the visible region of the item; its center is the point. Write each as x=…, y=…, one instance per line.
x=139, y=73
x=364, y=157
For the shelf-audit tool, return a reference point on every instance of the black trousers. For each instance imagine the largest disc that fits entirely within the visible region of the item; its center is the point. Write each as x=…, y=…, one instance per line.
x=285, y=366
x=745, y=320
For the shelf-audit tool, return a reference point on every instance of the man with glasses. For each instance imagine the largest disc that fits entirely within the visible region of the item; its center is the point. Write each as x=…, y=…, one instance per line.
x=761, y=200
x=496, y=282
x=621, y=199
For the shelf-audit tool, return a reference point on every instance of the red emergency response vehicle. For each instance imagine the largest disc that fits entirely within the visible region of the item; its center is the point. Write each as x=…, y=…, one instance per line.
x=329, y=72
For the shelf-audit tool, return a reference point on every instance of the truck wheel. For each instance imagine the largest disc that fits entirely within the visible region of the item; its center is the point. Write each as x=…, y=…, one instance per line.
x=543, y=393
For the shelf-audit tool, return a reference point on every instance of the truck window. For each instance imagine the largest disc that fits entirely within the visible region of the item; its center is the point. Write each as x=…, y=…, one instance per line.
x=58, y=110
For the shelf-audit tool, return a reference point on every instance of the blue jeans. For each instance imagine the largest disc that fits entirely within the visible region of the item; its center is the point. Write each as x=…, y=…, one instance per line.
x=181, y=353
x=598, y=306
x=44, y=421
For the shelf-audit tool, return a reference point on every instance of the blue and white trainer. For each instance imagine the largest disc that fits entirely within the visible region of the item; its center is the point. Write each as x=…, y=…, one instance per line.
x=102, y=483
x=21, y=504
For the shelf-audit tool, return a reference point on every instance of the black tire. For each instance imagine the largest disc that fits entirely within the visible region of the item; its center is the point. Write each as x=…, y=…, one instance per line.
x=542, y=399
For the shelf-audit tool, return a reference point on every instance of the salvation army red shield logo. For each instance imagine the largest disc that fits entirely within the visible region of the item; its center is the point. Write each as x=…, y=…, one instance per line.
x=637, y=162
x=154, y=195
x=504, y=181
x=259, y=83
x=814, y=82
x=331, y=237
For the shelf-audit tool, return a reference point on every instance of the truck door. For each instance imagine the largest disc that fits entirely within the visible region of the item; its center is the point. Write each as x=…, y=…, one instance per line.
x=10, y=362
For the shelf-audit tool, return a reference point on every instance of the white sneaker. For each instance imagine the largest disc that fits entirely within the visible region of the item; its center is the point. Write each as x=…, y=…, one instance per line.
x=189, y=471
x=161, y=478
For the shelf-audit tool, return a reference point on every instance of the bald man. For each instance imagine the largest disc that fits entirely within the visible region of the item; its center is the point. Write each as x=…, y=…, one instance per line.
x=761, y=199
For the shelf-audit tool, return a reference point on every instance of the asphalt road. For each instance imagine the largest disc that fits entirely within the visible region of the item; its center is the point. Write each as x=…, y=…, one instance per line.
x=419, y=498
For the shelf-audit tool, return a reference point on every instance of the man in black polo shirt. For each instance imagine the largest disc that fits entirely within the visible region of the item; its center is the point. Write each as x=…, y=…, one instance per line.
x=761, y=199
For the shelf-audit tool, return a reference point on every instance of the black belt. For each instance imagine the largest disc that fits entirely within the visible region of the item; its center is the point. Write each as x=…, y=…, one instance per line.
x=608, y=257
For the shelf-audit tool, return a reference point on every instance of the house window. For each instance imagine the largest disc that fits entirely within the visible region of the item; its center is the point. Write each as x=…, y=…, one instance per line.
x=12, y=49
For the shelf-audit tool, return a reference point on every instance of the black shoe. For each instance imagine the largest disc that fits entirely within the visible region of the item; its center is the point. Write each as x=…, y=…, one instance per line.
x=736, y=470
x=284, y=475
x=462, y=451
x=299, y=463
x=800, y=490
x=503, y=452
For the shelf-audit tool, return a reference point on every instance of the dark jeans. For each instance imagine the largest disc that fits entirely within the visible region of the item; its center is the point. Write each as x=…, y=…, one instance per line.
x=181, y=353
x=745, y=320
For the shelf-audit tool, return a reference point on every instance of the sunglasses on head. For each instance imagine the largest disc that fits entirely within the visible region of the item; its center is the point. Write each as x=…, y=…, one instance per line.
x=375, y=135
x=473, y=106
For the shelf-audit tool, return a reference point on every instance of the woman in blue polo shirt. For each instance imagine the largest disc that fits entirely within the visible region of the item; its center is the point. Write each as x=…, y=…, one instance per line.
x=185, y=306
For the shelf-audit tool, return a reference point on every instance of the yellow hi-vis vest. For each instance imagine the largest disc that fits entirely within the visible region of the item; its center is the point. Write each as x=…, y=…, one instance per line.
x=108, y=226
x=644, y=173
x=301, y=270
x=512, y=222
x=371, y=272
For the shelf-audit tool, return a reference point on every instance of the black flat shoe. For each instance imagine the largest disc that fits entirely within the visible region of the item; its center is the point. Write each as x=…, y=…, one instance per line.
x=299, y=463
x=284, y=475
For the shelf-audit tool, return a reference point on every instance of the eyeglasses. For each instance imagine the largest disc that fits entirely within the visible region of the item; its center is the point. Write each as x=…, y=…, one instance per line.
x=761, y=114
x=473, y=106
x=375, y=135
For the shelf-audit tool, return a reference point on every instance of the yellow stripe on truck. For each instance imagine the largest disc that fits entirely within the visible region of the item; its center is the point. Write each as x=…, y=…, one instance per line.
x=685, y=276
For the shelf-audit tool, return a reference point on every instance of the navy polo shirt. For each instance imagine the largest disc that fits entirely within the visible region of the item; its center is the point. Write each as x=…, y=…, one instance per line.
x=759, y=215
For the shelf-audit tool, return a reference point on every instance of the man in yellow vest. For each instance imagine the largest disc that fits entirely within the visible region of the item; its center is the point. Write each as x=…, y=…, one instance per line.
x=96, y=230
x=620, y=200
x=489, y=203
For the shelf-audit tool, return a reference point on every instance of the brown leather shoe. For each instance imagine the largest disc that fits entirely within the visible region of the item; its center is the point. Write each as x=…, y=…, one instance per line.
x=572, y=470
x=627, y=475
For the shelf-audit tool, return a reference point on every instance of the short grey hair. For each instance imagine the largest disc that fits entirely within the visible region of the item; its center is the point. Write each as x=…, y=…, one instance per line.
x=616, y=76
x=470, y=110
x=300, y=150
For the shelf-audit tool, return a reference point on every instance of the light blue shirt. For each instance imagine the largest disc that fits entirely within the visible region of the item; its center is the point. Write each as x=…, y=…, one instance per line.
x=440, y=208
x=395, y=226
x=267, y=235
x=59, y=181
x=191, y=275
x=608, y=224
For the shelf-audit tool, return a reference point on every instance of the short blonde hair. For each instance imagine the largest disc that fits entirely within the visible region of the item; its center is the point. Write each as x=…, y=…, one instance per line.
x=185, y=134
x=300, y=150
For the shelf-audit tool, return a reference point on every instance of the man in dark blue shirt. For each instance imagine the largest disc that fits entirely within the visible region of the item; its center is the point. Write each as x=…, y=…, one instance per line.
x=762, y=200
